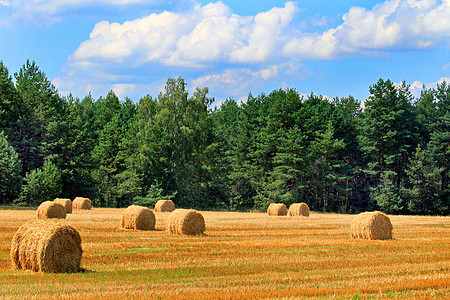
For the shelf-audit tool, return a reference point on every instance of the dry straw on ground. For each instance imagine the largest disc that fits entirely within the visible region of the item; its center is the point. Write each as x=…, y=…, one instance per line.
x=185, y=221
x=164, y=206
x=46, y=246
x=371, y=225
x=299, y=209
x=81, y=203
x=138, y=217
x=51, y=210
x=66, y=203
x=277, y=209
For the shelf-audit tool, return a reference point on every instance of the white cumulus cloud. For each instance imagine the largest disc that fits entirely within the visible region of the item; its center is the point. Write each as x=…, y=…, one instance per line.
x=389, y=25
x=239, y=52
x=206, y=34
x=265, y=34
x=212, y=34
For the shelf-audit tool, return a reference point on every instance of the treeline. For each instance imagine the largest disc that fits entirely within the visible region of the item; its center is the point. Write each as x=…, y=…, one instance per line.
x=390, y=153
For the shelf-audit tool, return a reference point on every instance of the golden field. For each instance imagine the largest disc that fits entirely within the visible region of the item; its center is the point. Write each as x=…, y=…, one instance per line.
x=241, y=256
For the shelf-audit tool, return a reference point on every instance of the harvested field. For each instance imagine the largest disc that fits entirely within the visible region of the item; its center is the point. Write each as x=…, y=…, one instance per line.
x=241, y=256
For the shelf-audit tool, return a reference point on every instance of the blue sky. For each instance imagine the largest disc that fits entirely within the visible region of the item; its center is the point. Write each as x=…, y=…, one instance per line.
x=332, y=48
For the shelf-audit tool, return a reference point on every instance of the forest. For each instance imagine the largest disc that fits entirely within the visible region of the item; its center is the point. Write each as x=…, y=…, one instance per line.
x=388, y=152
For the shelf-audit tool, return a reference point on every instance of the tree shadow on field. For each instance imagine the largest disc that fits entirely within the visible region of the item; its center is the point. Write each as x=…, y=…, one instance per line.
x=202, y=235
x=85, y=271
x=80, y=271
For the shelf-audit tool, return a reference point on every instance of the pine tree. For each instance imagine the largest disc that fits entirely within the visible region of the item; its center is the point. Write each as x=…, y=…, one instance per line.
x=388, y=136
x=78, y=137
x=440, y=149
x=427, y=187
x=10, y=179
x=129, y=179
x=287, y=180
x=348, y=110
x=286, y=145
x=117, y=185
x=106, y=108
x=440, y=143
x=387, y=195
x=422, y=193
x=230, y=134
x=41, y=110
x=9, y=104
x=427, y=114
x=253, y=154
x=326, y=179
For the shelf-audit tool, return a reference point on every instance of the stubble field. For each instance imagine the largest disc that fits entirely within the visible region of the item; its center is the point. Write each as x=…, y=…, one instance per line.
x=241, y=256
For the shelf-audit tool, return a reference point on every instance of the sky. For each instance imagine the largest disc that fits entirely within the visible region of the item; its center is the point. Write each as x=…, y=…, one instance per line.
x=236, y=47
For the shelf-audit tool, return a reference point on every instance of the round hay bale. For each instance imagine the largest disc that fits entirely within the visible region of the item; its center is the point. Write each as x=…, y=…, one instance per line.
x=46, y=247
x=277, y=209
x=51, y=210
x=138, y=217
x=66, y=203
x=15, y=244
x=371, y=225
x=81, y=203
x=164, y=206
x=185, y=221
x=299, y=209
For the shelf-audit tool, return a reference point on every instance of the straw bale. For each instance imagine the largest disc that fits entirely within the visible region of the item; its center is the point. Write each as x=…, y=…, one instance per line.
x=46, y=246
x=371, y=225
x=51, y=210
x=138, y=217
x=299, y=209
x=277, y=209
x=16, y=241
x=164, y=206
x=66, y=203
x=81, y=203
x=185, y=221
